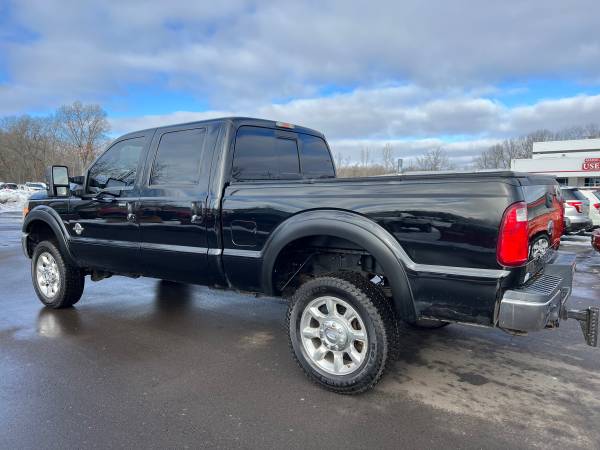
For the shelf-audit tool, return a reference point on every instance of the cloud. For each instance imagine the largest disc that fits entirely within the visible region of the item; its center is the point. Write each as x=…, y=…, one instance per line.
x=406, y=117
x=242, y=53
x=412, y=73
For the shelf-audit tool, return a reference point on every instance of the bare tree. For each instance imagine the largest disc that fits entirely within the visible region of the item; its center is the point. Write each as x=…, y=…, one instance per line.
x=84, y=130
x=436, y=159
x=387, y=156
x=341, y=160
x=27, y=146
x=365, y=156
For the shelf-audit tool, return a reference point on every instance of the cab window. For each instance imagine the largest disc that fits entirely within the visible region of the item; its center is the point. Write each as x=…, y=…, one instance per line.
x=315, y=158
x=265, y=154
x=117, y=167
x=178, y=157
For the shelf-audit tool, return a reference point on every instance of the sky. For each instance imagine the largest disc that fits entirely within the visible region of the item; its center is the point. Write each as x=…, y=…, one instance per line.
x=418, y=74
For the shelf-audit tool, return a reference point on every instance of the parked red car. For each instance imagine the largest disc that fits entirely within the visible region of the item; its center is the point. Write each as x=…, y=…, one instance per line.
x=546, y=210
x=596, y=240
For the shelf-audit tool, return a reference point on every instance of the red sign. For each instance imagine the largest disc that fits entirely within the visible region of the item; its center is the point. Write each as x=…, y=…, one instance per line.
x=591, y=164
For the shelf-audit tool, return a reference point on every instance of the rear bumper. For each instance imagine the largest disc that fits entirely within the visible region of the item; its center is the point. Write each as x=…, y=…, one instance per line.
x=573, y=224
x=537, y=305
x=542, y=302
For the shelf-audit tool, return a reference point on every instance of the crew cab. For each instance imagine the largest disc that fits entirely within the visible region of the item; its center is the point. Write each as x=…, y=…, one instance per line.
x=255, y=205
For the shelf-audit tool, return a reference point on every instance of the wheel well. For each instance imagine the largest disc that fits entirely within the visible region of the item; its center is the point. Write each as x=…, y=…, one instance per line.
x=38, y=231
x=310, y=256
x=538, y=234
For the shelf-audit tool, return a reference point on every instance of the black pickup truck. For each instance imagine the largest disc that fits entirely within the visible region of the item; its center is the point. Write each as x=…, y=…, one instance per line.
x=255, y=205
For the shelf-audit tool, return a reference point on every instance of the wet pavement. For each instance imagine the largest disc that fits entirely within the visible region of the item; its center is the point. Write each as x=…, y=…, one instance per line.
x=140, y=363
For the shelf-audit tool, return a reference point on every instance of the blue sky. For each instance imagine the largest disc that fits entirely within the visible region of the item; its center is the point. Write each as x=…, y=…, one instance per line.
x=461, y=74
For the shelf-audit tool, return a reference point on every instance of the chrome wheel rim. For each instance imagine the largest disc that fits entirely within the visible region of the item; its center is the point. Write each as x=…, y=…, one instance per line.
x=539, y=248
x=333, y=336
x=47, y=275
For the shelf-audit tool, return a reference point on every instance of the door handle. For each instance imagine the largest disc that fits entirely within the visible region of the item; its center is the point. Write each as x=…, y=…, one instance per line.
x=130, y=213
x=197, y=212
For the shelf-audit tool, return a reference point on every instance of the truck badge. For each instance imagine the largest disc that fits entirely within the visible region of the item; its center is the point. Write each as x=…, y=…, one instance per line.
x=78, y=229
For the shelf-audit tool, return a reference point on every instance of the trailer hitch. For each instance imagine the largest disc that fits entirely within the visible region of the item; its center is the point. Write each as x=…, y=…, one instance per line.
x=589, y=320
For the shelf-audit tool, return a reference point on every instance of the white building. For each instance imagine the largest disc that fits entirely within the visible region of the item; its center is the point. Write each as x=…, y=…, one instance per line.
x=574, y=163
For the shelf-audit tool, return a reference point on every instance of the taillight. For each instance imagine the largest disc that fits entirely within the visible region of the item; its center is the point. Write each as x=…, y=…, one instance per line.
x=597, y=205
x=513, y=240
x=576, y=205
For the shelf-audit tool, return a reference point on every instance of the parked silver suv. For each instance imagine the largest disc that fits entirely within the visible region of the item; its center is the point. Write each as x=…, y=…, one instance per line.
x=577, y=210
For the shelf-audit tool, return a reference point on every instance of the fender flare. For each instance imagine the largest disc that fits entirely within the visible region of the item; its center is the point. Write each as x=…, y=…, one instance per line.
x=355, y=228
x=50, y=217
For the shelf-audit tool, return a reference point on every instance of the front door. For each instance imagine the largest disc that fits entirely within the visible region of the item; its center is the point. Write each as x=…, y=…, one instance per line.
x=172, y=213
x=102, y=225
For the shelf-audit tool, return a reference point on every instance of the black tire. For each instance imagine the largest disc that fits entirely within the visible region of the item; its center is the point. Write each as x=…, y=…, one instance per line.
x=428, y=324
x=71, y=278
x=375, y=311
x=541, y=237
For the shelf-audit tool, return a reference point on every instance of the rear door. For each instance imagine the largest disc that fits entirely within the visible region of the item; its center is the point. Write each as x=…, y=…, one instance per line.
x=101, y=224
x=261, y=157
x=172, y=212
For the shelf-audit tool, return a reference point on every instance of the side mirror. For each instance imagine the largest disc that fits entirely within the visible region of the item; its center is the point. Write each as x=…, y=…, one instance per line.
x=57, y=178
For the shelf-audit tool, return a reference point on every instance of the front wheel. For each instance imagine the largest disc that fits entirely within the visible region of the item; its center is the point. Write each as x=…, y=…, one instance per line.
x=342, y=331
x=57, y=283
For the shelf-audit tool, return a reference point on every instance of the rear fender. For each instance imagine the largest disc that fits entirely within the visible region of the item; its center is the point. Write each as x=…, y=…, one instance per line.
x=355, y=228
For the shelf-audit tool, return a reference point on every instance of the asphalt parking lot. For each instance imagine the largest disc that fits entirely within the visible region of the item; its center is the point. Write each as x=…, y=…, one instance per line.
x=140, y=363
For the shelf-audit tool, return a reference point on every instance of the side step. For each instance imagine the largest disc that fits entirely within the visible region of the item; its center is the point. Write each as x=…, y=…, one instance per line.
x=589, y=320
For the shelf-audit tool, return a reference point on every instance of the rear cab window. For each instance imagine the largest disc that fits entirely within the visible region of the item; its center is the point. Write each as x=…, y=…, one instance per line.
x=269, y=154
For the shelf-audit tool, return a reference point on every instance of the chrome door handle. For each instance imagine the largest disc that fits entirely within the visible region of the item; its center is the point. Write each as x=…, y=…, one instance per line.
x=197, y=212
x=130, y=213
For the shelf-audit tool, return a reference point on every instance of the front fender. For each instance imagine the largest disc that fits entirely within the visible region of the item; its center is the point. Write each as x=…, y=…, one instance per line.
x=52, y=219
x=355, y=228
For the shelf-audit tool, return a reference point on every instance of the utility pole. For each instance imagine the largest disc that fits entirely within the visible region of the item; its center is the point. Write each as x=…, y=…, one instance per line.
x=400, y=162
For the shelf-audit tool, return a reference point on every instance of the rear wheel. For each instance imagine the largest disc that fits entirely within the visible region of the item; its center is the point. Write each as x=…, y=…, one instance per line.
x=57, y=283
x=341, y=331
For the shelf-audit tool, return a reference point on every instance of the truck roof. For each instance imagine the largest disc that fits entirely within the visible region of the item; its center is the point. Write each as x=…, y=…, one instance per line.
x=239, y=121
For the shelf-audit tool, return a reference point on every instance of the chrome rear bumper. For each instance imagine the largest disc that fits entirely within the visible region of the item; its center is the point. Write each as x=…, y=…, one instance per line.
x=542, y=302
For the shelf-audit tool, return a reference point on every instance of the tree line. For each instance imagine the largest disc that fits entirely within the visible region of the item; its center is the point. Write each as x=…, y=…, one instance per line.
x=72, y=135
x=497, y=156
x=369, y=165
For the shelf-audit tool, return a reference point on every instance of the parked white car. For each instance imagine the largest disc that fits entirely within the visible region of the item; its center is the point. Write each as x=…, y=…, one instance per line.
x=594, y=198
x=36, y=185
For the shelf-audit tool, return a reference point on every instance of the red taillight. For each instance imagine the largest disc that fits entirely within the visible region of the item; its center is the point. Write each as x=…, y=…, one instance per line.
x=513, y=240
x=597, y=205
x=576, y=205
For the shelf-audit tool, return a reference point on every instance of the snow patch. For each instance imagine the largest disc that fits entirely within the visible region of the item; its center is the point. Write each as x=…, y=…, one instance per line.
x=13, y=200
